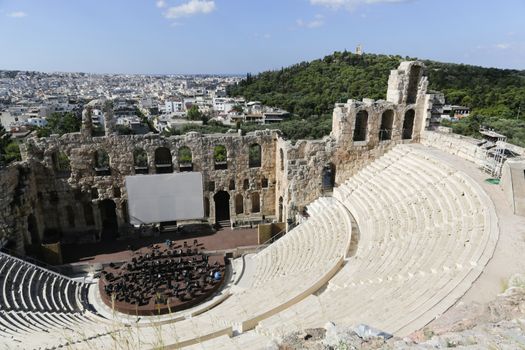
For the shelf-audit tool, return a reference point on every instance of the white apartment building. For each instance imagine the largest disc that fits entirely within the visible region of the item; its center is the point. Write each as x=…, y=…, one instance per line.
x=173, y=106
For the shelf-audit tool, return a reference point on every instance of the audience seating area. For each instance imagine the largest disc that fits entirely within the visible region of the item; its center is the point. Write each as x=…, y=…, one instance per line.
x=426, y=231
x=36, y=300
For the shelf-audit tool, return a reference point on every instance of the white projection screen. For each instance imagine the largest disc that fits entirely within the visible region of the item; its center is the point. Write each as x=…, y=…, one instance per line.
x=164, y=197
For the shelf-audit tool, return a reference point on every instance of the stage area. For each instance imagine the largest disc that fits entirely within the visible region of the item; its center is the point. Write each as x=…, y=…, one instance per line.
x=120, y=250
x=162, y=278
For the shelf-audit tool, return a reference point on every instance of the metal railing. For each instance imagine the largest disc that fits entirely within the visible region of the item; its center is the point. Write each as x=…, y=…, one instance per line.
x=53, y=269
x=271, y=240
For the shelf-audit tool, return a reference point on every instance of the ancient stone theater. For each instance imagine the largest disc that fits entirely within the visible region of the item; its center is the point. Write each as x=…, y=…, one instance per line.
x=384, y=222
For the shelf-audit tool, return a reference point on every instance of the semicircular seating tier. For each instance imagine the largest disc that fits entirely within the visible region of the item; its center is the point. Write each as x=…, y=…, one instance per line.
x=426, y=233
x=285, y=272
x=34, y=300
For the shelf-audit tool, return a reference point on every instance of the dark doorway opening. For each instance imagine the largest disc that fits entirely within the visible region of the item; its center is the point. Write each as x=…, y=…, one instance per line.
x=163, y=163
x=361, y=126
x=387, y=121
x=222, y=206
x=280, y=209
x=413, y=83
x=108, y=216
x=408, y=124
x=32, y=227
x=328, y=176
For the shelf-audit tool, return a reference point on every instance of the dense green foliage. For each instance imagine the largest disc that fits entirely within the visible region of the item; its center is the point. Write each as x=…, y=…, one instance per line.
x=9, y=150
x=194, y=113
x=219, y=153
x=185, y=155
x=60, y=123
x=309, y=90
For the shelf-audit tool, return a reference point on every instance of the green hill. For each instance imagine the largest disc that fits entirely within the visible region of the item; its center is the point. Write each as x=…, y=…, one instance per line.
x=309, y=90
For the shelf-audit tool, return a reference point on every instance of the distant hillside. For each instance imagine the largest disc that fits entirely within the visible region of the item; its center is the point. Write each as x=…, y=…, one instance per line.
x=311, y=88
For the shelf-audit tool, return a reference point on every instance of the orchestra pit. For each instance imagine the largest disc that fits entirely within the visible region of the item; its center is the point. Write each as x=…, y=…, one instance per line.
x=162, y=278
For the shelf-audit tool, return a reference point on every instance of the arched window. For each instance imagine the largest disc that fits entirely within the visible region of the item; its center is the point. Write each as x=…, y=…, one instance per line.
x=61, y=164
x=102, y=163
x=163, y=164
x=140, y=161
x=256, y=202
x=264, y=182
x=361, y=126
x=246, y=184
x=220, y=157
x=281, y=157
x=185, y=159
x=254, y=154
x=413, y=84
x=385, y=130
x=239, y=204
x=408, y=124
x=232, y=184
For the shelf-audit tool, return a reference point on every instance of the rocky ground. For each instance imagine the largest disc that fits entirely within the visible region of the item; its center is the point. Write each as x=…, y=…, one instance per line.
x=499, y=324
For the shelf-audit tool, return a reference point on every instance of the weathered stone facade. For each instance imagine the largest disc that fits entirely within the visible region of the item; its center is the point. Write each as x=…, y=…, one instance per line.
x=72, y=201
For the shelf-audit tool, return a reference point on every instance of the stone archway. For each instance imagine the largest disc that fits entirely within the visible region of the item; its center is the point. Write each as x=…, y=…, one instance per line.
x=222, y=206
x=108, y=217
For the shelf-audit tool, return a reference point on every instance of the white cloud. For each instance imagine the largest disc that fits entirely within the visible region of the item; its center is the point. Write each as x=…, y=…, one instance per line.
x=17, y=14
x=502, y=46
x=350, y=4
x=190, y=8
x=161, y=3
x=317, y=22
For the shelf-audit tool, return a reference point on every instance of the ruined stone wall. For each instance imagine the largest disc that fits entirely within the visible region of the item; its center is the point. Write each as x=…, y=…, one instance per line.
x=84, y=187
x=17, y=202
x=290, y=176
x=462, y=146
x=362, y=131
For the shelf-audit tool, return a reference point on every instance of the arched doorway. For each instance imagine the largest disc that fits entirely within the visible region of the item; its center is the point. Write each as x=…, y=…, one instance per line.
x=32, y=227
x=108, y=217
x=222, y=206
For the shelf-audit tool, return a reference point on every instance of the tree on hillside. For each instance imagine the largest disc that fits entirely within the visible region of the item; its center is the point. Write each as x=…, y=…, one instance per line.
x=60, y=123
x=311, y=88
x=9, y=150
x=194, y=113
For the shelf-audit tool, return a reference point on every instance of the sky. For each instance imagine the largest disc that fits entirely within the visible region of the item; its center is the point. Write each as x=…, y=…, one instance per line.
x=241, y=36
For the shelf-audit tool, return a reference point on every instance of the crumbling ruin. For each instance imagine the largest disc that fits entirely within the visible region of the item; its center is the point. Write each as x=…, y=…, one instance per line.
x=71, y=188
